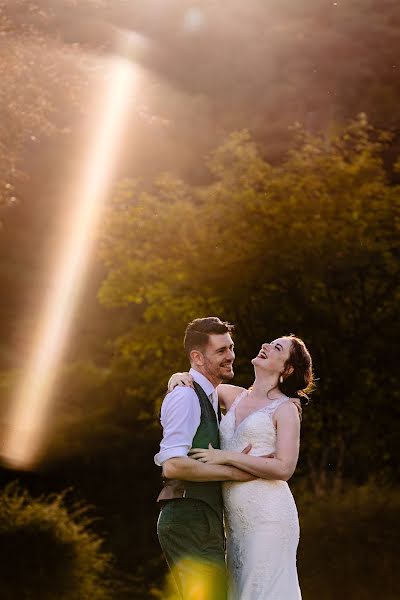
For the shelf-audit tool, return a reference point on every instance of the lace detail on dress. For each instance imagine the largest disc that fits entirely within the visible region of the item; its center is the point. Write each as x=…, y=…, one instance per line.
x=236, y=437
x=261, y=518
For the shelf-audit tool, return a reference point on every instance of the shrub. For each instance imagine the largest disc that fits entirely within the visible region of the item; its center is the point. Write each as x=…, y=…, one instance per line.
x=48, y=551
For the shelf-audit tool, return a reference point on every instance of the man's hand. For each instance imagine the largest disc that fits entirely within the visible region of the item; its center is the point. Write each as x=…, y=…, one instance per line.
x=297, y=404
x=184, y=379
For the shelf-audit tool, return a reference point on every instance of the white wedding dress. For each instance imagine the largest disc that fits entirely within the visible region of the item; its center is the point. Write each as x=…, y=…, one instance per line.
x=261, y=522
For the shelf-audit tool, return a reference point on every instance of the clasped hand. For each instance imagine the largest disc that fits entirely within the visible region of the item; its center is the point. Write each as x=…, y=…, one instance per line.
x=211, y=455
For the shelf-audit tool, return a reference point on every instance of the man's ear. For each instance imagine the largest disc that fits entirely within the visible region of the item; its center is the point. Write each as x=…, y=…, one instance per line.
x=196, y=358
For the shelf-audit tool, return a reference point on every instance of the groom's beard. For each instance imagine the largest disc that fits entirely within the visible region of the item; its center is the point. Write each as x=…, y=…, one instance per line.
x=226, y=370
x=221, y=372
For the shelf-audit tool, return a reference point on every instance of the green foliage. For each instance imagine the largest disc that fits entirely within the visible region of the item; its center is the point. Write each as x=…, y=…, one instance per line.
x=307, y=244
x=43, y=80
x=283, y=73
x=47, y=551
x=348, y=544
x=310, y=246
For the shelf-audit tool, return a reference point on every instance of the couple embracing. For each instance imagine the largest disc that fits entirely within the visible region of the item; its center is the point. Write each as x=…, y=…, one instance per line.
x=253, y=450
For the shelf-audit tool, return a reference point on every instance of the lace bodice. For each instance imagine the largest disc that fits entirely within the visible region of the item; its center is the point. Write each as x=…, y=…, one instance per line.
x=256, y=429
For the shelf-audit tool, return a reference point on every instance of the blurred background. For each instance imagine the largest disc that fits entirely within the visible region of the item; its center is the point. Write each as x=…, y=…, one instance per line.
x=239, y=159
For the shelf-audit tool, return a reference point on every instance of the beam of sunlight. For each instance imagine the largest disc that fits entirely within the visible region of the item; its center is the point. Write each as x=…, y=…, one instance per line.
x=26, y=420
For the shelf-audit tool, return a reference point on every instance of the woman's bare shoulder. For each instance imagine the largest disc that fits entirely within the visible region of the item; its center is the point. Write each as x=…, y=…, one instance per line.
x=288, y=411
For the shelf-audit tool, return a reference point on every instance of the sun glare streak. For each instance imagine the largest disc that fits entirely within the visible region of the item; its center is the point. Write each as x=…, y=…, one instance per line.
x=203, y=579
x=26, y=420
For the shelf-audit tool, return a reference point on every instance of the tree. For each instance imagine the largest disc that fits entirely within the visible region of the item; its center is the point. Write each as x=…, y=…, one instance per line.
x=41, y=76
x=310, y=246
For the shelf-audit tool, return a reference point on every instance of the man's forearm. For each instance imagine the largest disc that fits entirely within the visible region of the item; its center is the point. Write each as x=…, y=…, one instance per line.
x=188, y=469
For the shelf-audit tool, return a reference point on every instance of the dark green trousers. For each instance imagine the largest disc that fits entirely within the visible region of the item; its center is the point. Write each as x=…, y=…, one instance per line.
x=192, y=538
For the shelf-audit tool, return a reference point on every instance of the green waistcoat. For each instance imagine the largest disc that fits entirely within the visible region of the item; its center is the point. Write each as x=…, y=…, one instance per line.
x=207, y=432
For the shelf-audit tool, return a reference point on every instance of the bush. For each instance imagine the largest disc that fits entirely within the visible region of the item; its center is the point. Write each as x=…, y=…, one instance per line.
x=47, y=551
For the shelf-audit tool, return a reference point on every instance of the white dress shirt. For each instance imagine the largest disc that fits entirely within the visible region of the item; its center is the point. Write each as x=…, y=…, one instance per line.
x=180, y=418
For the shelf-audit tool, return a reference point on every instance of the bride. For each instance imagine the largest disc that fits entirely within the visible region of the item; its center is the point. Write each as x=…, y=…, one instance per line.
x=262, y=528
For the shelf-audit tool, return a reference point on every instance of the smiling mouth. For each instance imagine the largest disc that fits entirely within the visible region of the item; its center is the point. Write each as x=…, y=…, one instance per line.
x=262, y=355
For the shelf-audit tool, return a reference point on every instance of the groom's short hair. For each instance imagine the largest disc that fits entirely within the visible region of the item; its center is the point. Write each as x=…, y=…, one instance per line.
x=199, y=330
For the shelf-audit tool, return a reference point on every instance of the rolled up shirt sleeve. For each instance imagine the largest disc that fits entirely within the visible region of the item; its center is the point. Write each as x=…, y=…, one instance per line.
x=180, y=419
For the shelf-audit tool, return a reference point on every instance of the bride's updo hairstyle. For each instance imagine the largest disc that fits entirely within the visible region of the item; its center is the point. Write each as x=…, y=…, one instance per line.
x=300, y=382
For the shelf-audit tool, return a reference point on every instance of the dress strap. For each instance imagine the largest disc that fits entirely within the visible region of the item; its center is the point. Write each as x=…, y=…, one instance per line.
x=271, y=408
x=237, y=400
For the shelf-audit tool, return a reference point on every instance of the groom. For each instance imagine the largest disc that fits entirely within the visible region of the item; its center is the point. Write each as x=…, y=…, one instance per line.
x=190, y=525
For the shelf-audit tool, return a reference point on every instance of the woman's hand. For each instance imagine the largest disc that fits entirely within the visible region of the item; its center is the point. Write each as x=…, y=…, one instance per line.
x=184, y=379
x=211, y=456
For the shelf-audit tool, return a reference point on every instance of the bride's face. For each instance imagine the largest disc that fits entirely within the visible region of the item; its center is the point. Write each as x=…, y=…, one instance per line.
x=272, y=357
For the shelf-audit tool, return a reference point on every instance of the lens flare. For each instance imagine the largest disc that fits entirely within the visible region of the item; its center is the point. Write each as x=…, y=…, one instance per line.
x=198, y=580
x=25, y=425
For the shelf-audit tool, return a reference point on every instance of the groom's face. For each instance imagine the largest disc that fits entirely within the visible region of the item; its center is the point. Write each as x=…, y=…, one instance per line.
x=215, y=361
